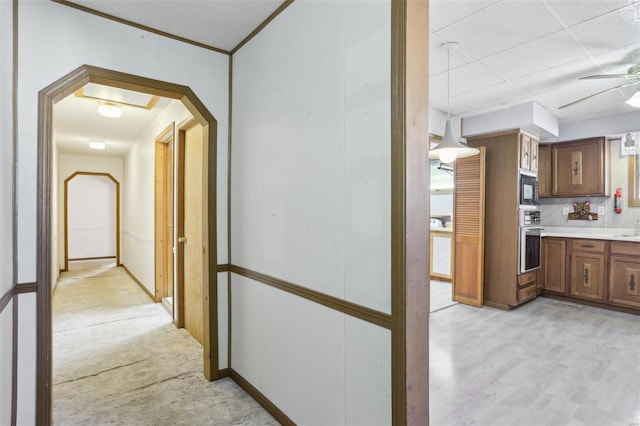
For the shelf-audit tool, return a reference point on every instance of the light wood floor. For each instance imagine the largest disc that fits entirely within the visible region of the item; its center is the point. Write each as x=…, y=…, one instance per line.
x=544, y=363
x=118, y=359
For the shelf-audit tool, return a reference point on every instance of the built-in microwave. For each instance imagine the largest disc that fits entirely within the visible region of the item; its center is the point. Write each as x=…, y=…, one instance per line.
x=528, y=190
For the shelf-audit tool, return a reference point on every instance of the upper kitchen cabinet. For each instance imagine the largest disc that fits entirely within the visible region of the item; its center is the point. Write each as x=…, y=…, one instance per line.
x=528, y=153
x=580, y=168
x=544, y=171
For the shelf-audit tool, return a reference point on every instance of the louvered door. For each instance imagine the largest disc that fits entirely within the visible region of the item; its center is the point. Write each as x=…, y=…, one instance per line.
x=468, y=222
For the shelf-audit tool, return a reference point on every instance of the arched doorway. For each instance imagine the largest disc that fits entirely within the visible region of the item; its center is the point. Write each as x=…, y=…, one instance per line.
x=109, y=235
x=48, y=96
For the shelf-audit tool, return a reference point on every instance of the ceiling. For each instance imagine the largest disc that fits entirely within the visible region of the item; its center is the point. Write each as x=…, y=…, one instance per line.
x=510, y=52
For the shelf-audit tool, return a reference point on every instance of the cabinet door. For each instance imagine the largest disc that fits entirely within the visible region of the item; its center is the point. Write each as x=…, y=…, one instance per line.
x=441, y=255
x=533, y=155
x=587, y=276
x=623, y=281
x=544, y=170
x=525, y=154
x=554, y=272
x=579, y=168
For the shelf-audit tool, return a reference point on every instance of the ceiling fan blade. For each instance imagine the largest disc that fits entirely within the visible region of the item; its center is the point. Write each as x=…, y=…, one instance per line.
x=599, y=93
x=594, y=77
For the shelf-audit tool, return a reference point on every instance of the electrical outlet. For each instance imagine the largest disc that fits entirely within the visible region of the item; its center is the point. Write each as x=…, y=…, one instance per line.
x=565, y=211
x=601, y=210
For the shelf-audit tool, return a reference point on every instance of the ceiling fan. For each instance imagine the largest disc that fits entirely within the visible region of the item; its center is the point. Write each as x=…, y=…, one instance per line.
x=632, y=76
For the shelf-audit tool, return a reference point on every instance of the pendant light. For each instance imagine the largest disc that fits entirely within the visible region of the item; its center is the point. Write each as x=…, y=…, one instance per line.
x=450, y=148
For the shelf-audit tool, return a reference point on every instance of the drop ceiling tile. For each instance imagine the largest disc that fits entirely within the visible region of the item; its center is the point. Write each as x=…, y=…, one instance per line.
x=438, y=58
x=611, y=31
x=574, y=12
x=443, y=13
x=548, y=52
x=501, y=27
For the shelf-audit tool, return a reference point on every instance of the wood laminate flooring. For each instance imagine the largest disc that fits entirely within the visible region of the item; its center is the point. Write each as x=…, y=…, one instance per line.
x=544, y=363
x=119, y=360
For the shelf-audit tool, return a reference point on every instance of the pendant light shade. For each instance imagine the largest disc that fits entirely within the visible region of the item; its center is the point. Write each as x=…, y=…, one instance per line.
x=450, y=148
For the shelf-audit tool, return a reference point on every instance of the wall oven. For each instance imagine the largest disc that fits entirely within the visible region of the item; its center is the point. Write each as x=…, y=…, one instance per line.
x=529, y=252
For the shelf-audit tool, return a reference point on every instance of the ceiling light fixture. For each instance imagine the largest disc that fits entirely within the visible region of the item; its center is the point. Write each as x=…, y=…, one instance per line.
x=450, y=148
x=109, y=110
x=634, y=100
x=628, y=141
x=97, y=145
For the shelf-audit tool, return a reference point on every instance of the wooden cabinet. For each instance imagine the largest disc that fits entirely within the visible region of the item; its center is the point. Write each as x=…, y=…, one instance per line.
x=544, y=171
x=554, y=261
x=440, y=254
x=528, y=153
x=588, y=269
x=579, y=168
x=624, y=271
x=506, y=154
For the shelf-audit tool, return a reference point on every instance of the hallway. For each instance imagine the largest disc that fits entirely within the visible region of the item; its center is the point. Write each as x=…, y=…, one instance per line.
x=118, y=359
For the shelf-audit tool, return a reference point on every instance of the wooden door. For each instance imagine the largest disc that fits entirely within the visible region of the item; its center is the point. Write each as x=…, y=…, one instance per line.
x=468, y=225
x=544, y=170
x=624, y=281
x=525, y=152
x=163, y=212
x=587, y=276
x=554, y=274
x=192, y=250
x=533, y=154
x=579, y=168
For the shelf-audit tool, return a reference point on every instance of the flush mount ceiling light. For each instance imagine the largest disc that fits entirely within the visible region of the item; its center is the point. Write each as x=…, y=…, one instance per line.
x=634, y=100
x=450, y=148
x=109, y=110
x=97, y=145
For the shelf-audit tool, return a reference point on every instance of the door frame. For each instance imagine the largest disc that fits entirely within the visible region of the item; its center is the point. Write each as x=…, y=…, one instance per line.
x=53, y=93
x=163, y=211
x=66, y=214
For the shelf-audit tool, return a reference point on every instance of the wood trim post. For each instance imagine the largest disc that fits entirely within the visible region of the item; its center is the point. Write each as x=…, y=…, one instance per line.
x=409, y=214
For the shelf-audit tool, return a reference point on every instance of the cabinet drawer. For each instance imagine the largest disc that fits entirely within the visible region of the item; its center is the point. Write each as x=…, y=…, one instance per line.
x=621, y=247
x=526, y=293
x=527, y=278
x=588, y=245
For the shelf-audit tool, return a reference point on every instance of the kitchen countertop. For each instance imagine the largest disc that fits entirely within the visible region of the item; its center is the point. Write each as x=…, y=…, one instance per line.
x=447, y=230
x=616, y=234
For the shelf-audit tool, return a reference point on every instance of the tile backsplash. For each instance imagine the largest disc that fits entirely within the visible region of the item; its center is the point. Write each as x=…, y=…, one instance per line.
x=551, y=208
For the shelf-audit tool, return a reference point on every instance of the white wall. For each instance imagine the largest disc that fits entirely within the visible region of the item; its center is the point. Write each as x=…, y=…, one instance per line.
x=311, y=205
x=67, y=165
x=6, y=250
x=91, y=212
x=54, y=40
x=138, y=253
x=6, y=367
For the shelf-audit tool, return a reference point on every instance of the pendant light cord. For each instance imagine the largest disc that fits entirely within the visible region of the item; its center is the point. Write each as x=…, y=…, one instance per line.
x=448, y=85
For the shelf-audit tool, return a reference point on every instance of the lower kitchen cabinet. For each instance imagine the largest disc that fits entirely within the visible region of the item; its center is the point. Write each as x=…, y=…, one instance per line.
x=554, y=272
x=588, y=269
x=624, y=270
x=441, y=254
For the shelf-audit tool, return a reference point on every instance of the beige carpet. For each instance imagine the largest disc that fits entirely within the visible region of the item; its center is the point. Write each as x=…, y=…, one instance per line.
x=119, y=360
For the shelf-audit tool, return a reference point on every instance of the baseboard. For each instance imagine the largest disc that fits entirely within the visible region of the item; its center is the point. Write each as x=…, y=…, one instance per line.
x=277, y=413
x=133, y=277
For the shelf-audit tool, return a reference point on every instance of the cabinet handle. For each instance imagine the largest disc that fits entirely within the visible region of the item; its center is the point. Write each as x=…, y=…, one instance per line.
x=632, y=282
x=587, y=246
x=586, y=277
x=576, y=169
